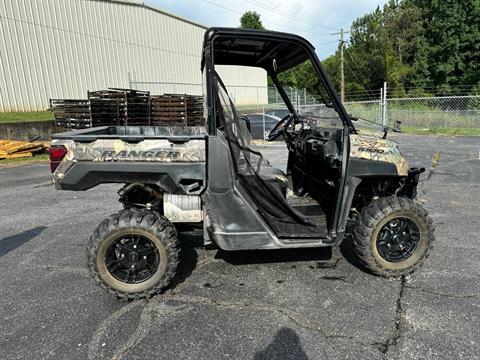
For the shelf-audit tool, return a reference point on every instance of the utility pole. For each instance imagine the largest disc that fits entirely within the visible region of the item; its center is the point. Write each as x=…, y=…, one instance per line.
x=342, y=73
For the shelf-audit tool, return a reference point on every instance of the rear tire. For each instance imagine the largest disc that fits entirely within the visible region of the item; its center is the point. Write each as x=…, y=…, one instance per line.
x=134, y=253
x=393, y=236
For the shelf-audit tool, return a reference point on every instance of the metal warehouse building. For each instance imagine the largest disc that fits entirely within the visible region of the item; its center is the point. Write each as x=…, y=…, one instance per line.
x=63, y=48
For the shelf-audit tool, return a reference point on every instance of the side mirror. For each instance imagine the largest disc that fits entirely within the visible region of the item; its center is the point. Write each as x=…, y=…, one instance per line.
x=247, y=122
x=385, y=132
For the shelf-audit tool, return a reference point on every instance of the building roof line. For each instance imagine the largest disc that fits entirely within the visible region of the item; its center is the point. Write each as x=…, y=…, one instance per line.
x=152, y=8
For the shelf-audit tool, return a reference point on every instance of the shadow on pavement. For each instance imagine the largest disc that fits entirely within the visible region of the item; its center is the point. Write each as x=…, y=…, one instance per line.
x=285, y=345
x=348, y=252
x=12, y=242
x=274, y=256
x=188, y=257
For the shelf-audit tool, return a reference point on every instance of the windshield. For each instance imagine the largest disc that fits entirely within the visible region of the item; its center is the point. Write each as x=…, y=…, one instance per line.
x=309, y=97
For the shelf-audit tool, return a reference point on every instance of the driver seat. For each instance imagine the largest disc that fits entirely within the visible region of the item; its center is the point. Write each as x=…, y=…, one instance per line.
x=274, y=176
x=269, y=174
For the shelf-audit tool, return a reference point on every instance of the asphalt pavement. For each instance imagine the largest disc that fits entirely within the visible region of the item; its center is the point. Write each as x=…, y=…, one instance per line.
x=289, y=304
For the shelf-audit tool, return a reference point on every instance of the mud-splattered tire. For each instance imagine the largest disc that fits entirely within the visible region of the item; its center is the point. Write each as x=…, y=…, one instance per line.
x=374, y=225
x=159, y=239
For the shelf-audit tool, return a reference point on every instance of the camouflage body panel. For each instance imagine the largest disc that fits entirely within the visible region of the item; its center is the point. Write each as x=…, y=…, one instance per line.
x=151, y=150
x=373, y=148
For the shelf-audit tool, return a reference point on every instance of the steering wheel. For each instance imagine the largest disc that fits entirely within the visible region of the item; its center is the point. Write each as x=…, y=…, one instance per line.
x=280, y=127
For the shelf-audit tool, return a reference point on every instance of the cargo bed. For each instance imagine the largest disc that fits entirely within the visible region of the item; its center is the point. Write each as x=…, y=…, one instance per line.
x=171, y=157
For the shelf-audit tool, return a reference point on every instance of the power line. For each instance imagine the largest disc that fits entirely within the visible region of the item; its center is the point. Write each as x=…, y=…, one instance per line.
x=256, y=3
x=436, y=87
x=266, y=21
x=359, y=81
x=325, y=43
x=361, y=91
x=358, y=69
x=98, y=37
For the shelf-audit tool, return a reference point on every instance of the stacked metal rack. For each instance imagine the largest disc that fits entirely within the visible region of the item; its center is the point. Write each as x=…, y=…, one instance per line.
x=71, y=113
x=168, y=110
x=137, y=107
x=176, y=110
x=106, y=107
x=119, y=107
x=128, y=107
x=195, y=110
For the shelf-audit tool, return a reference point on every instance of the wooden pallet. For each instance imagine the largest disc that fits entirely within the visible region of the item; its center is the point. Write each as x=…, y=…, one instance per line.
x=10, y=149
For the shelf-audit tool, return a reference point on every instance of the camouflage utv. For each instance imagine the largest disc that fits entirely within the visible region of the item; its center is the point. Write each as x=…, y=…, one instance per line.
x=212, y=178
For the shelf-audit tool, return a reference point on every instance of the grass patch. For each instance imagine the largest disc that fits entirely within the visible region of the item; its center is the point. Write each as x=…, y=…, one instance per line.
x=10, y=117
x=441, y=131
x=24, y=160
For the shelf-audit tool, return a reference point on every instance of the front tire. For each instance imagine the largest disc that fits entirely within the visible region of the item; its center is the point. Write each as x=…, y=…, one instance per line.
x=134, y=253
x=393, y=236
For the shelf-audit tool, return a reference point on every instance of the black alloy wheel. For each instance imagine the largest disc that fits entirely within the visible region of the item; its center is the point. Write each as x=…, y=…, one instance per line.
x=134, y=253
x=398, y=239
x=393, y=236
x=132, y=259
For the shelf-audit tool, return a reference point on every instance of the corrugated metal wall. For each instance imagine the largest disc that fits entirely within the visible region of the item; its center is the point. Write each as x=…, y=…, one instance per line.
x=62, y=48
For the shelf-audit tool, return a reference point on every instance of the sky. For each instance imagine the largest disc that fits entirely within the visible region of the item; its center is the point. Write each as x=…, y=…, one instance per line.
x=315, y=20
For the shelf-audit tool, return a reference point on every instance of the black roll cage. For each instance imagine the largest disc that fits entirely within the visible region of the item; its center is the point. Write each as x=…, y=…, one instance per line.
x=208, y=65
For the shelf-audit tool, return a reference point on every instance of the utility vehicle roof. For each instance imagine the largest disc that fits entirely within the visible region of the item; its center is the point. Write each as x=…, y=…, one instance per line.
x=257, y=48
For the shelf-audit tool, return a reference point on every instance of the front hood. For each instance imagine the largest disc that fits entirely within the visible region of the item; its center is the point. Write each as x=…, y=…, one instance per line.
x=370, y=147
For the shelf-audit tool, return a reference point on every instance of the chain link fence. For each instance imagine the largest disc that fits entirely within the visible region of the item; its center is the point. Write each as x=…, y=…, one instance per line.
x=447, y=126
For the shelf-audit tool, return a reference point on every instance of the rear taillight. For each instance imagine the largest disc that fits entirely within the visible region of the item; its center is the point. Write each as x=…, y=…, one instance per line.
x=57, y=153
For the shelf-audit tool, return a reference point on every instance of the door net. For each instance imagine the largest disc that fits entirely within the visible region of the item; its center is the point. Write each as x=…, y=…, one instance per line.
x=265, y=184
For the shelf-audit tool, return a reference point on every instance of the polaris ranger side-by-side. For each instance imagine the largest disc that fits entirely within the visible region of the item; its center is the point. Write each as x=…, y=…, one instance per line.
x=211, y=178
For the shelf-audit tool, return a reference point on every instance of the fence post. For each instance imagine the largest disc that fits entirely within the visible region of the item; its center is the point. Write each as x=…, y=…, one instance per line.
x=263, y=115
x=304, y=96
x=129, y=81
x=384, y=110
x=380, y=107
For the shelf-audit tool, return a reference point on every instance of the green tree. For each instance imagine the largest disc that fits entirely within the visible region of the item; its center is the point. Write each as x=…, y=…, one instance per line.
x=331, y=66
x=251, y=20
x=382, y=47
x=417, y=46
x=302, y=76
x=452, y=35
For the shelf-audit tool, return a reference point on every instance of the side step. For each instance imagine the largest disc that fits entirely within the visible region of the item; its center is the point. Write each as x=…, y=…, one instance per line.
x=314, y=212
x=308, y=207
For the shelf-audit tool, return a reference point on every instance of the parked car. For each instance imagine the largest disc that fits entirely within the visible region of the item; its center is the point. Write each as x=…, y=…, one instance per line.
x=257, y=129
x=306, y=117
x=280, y=113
